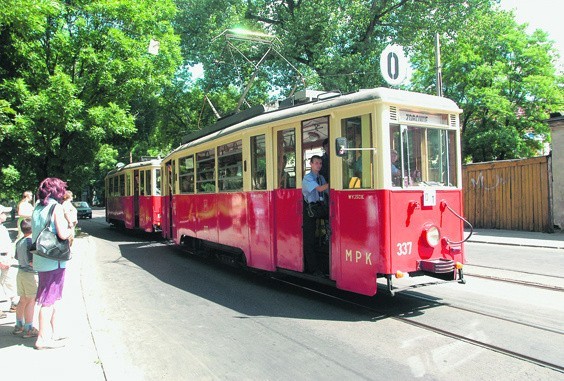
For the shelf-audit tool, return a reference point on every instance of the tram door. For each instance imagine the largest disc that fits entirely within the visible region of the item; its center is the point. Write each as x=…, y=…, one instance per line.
x=316, y=232
x=168, y=187
x=287, y=202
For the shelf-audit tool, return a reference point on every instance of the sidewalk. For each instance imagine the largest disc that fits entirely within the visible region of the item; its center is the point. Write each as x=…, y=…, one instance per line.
x=78, y=359
x=518, y=238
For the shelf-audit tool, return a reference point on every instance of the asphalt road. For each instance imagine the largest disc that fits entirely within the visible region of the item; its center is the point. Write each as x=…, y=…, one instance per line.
x=157, y=313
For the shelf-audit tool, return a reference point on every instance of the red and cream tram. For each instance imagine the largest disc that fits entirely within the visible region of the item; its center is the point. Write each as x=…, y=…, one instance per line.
x=133, y=196
x=236, y=186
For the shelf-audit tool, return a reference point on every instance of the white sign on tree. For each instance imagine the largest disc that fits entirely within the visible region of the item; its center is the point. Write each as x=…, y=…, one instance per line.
x=393, y=64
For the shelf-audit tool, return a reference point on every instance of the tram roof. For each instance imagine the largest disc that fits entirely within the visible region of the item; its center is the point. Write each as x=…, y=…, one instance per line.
x=138, y=164
x=258, y=115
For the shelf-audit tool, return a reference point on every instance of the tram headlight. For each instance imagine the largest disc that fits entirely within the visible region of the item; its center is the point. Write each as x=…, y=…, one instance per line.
x=432, y=235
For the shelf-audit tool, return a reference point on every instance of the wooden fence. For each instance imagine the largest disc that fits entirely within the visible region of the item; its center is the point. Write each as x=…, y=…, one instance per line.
x=509, y=194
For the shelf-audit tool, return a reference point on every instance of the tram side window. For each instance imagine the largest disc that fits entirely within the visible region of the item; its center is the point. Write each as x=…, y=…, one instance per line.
x=110, y=185
x=122, y=185
x=157, y=182
x=141, y=183
x=128, y=184
x=205, y=166
x=258, y=162
x=148, y=185
x=426, y=156
x=286, y=151
x=230, y=166
x=186, y=174
x=314, y=132
x=115, y=188
x=357, y=167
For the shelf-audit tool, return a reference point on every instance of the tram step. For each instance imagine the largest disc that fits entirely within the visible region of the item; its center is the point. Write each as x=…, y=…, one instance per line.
x=437, y=266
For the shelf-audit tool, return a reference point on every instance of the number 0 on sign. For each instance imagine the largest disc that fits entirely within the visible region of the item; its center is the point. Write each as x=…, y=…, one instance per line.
x=393, y=64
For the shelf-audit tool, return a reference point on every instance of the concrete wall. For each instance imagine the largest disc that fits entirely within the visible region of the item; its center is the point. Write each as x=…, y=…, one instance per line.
x=556, y=123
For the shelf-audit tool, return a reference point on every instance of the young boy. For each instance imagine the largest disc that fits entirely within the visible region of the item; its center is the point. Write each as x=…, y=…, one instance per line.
x=27, y=283
x=6, y=256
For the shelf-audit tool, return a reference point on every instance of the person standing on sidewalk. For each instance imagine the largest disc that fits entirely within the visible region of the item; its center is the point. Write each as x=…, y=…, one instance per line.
x=51, y=272
x=7, y=284
x=27, y=284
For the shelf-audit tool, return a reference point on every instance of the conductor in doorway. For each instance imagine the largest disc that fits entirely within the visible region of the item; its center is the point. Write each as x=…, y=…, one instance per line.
x=315, y=191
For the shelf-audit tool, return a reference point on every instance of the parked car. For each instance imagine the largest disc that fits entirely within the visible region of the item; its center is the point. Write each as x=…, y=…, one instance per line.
x=83, y=209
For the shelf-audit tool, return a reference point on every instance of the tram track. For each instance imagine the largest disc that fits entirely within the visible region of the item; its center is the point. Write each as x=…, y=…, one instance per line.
x=516, y=281
x=397, y=316
x=486, y=314
x=509, y=276
x=516, y=271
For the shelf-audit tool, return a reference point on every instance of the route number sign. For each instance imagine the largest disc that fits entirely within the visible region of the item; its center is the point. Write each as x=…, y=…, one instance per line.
x=393, y=64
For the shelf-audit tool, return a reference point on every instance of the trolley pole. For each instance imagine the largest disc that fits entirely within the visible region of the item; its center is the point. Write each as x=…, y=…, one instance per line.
x=438, y=66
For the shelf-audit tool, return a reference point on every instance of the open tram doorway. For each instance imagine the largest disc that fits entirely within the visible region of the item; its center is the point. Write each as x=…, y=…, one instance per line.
x=316, y=231
x=167, y=201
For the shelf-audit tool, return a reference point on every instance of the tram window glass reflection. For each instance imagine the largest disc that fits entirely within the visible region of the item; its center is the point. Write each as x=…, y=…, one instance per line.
x=128, y=184
x=426, y=156
x=230, y=166
x=258, y=162
x=357, y=166
x=186, y=174
x=286, y=152
x=205, y=167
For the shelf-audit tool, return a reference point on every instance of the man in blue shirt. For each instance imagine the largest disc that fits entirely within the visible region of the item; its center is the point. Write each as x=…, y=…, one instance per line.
x=315, y=191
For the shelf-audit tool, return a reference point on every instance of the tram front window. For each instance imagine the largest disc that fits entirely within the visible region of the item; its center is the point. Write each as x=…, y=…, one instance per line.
x=425, y=156
x=357, y=166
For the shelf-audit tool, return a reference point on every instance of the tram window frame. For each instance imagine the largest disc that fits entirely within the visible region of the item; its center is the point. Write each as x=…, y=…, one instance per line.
x=358, y=131
x=420, y=164
x=230, y=166
x=259, y=174
x=286, y=155
x=205, y=166
x=186, y=171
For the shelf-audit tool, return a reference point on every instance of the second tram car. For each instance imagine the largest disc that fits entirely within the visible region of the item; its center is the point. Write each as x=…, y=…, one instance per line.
x=133, y=196
x=395, y=199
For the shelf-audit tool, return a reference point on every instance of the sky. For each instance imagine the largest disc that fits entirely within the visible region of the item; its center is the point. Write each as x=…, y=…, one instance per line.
x=541, y=14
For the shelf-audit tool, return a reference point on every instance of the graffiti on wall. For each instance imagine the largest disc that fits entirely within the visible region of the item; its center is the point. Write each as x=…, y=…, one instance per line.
x=479, y=182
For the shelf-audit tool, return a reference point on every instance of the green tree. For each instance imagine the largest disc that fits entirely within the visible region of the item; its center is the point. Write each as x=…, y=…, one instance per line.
x=78, y=76
x=335, y=44
x=503, y=79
